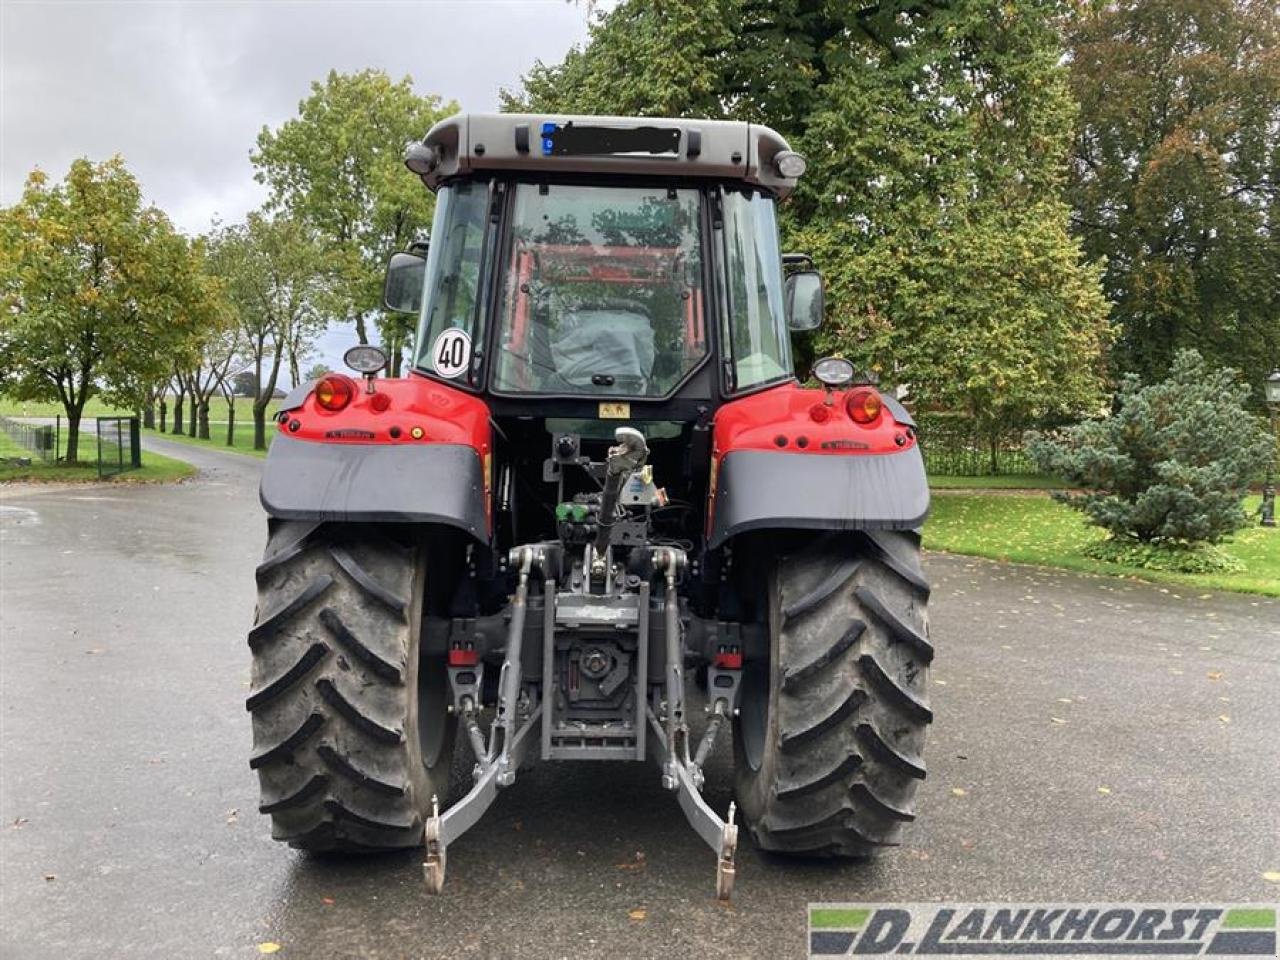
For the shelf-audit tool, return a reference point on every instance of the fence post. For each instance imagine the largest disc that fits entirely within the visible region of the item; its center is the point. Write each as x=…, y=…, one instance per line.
x=135, y=443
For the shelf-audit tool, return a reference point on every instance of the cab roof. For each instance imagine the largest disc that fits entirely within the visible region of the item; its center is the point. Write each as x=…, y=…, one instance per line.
x=563, y=143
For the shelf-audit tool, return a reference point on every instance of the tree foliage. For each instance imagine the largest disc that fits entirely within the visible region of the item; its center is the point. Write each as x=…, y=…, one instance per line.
x=1172, y=464
x=272, y=271
x=99, y=292
x=338, y=167
x=1176, y=175
x=937, y=137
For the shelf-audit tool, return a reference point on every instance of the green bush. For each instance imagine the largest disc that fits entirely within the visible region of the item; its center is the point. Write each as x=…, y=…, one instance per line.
x=1171, y=465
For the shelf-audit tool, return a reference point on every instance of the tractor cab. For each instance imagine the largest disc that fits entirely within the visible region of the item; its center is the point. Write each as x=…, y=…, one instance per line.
x=585, y=273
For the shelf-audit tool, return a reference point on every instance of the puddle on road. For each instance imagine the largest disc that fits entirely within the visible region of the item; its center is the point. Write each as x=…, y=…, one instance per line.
x=11, y=516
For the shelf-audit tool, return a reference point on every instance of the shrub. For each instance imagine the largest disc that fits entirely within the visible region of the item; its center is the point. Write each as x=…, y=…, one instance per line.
x=1171, y=465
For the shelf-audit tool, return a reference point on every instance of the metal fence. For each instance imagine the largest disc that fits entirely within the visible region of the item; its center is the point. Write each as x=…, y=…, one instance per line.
x=951, y=447
x=119, y=445
x=38, y=440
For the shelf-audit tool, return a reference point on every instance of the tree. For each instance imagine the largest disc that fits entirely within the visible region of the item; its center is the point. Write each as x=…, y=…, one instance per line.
x=1172, y=464
x=316, y=372
x=96, y=287
x=245, y=384
x=1175, y=178
x=937, y=137
x=270, y=267
x=339, y=167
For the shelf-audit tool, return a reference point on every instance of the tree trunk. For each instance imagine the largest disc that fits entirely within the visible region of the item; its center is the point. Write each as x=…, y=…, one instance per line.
x=362, y=333
x=164, y=413
x=995, y=456
x=231, y=424
x=259, y=427
x=193, y=418
x=73, y=431
x=177, y=414
x=149, y=415
x=204, y=418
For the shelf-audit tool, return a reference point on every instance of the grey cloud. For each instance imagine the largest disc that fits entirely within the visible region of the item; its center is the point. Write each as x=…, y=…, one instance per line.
x=182, y=89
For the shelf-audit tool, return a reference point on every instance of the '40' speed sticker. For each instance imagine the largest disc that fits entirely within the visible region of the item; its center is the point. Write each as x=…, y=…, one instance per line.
x=451, y=352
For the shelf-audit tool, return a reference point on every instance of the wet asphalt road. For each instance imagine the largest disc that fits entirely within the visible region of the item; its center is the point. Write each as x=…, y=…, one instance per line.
x=128, y=824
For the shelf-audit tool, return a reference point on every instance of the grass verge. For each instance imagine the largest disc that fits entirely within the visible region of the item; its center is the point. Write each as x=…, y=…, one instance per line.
x=155, y=468
x=1037, y=530
x=218, y=438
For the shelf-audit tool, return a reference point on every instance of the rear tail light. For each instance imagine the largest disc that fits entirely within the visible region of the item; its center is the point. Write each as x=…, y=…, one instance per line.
x=863, y=405
x=334, y=392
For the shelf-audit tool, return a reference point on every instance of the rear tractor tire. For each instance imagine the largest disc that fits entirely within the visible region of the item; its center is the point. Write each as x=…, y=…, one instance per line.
x=351, y=736
x=828, y=745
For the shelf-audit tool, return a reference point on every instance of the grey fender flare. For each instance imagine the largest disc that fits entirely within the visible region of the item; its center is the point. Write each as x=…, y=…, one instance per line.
x=761, y=490
x=375, y=482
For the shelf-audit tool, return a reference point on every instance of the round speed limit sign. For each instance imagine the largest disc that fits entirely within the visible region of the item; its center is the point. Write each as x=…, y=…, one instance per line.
x=451, y=353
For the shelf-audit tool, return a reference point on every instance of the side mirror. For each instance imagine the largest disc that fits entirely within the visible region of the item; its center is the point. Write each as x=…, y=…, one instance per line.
x=402, y=289
x=805, y=300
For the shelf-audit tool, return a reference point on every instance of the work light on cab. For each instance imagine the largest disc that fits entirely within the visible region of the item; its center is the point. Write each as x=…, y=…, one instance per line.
x=334, y=392
x=833, y=372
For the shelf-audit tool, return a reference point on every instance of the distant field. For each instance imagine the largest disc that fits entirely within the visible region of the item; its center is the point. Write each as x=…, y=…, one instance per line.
x=96, y=407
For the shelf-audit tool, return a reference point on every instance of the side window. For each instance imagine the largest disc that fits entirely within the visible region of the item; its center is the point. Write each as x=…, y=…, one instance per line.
x=450, y=329
x=755, y=314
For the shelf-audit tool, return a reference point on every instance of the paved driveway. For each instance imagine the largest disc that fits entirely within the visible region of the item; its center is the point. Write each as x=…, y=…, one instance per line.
x=1095, y=739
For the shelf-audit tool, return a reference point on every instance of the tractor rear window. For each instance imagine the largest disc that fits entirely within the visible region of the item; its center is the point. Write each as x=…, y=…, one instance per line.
x=603, y=291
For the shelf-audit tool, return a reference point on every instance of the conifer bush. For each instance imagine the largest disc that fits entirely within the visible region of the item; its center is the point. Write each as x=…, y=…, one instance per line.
x=1170, y=467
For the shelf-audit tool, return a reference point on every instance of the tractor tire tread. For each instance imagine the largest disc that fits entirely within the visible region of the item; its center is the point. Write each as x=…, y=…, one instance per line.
x=848, y=710
x=337, y=737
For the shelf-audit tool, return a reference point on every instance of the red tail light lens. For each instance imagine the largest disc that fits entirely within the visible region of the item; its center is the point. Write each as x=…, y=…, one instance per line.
x=334, y=392
x=863, y=405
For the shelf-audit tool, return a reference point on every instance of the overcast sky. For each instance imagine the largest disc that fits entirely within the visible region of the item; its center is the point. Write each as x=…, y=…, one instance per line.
x=181, y=89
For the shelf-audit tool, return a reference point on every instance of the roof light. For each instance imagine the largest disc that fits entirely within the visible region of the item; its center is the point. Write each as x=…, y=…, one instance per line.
x=420, y=158
x=790, y=164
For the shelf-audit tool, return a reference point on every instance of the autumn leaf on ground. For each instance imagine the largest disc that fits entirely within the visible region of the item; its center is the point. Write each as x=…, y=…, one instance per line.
x=1105, y=791
x=1224, y=718
x=268, y=947
x=1214, y=674
x=1057, y=720
x=959, y=792
x=638, y=914
x=1272, y=876
x=327, y=901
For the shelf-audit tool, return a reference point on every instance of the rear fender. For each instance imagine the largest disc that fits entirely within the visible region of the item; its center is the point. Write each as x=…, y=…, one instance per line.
x=419, y=455
x=788, y=459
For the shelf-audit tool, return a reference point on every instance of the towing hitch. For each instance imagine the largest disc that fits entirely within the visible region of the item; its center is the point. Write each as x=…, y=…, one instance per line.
x=526, y=713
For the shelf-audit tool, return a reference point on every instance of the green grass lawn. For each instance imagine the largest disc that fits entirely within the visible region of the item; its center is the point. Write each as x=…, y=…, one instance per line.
x=1035, y=529
x=1012, y=481
x=218, y=437
x=154, y=468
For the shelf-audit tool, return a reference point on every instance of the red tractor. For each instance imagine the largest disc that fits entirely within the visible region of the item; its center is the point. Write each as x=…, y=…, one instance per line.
x=600, y=474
